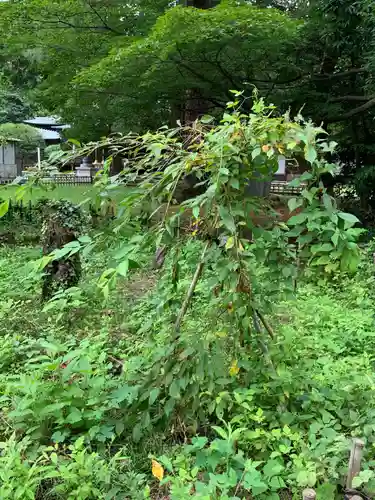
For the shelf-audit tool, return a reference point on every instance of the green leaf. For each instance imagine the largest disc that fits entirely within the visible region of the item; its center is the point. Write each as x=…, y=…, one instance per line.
x=335, y=238
x=308, y=195
x=276, y=483
x=137, y=432
x=325, y=247
x=256, y=152
x=326, y=492
x=230, y=243
x=273, y=468
x=58, y=437
x=310, y=153
x=306, y=176
x=234, y=183
x=84, y=239
x=227, y=219
x=323, y=260
x=75, y=142
x=294, y=203
x=123, y=393
x=4, y=207
x=133, y=264
x=164, y=460
x=297, y=219
x=364, y=477
x=123, y=268
x=349, y=219
x=196, y=211
x=153, y=395
x=74, y=416
x=174, y=390
x=305, y=238
x=222, y=433
x=327, y=201
x=207, y=119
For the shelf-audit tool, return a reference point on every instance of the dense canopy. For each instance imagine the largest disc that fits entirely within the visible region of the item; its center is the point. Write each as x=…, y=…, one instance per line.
x=112, y=65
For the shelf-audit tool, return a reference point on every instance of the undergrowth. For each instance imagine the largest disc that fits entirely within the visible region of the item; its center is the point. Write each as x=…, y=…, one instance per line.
x=71, y=377
x=209, y=377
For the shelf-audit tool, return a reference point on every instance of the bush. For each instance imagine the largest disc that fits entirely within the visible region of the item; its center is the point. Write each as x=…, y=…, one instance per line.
x=29, y=137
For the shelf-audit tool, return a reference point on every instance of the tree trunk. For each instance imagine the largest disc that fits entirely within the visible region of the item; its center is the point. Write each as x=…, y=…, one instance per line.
x=195, y=104
x=199, y=4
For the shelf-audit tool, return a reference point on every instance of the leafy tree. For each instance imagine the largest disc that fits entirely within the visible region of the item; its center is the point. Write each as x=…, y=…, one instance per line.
x=29, y=137
x=109, y=65
x=207, y=52
x=13, y=106
x=66, y=37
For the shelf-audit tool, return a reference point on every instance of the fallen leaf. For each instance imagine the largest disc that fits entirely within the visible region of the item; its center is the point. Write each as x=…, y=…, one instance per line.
x=157, y=470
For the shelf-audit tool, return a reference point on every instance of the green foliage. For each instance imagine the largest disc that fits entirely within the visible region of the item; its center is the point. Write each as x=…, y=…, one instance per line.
x=212, y=50
x=363, y=182
x=62, y=225
x=147, y=62
x=29, y=138
x=259, y=411
x=72, y=472
x=247, y=275
x=13, y=107
x=63, y=380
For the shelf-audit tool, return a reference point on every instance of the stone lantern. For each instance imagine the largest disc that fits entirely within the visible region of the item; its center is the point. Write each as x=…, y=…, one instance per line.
x=86, y=169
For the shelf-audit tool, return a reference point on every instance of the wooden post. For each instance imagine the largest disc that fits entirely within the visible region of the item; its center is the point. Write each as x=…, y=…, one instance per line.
x=39, y=158
x=354, y=461
x=309, y=494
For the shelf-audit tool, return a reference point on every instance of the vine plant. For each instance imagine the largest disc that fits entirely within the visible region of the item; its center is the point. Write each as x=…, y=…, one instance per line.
x=251, y=262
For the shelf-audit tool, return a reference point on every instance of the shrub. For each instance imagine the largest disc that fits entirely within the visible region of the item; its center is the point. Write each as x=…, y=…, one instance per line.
x=29, y=137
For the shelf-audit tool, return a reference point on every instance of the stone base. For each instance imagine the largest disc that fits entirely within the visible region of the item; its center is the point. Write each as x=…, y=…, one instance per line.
x=84, y=171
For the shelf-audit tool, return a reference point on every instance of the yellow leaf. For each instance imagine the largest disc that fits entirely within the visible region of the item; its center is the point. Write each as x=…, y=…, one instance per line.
x=157, y=470
x=230, y=243
x=221, y=334
x=234, y=369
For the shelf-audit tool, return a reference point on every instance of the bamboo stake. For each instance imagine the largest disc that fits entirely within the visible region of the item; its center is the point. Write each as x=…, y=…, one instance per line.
x=309, y=494
x=354, y=461
x=266, y=325
x=190, y=292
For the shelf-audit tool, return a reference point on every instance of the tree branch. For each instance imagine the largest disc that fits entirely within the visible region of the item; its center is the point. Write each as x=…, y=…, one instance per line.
x=361, y=109
x=359, y=98
x=189, y=295
x=342, y=74
x=95, y=11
